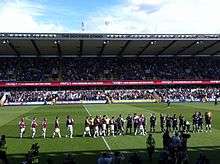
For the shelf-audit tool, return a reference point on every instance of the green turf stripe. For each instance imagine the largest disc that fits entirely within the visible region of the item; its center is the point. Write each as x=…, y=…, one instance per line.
x=103, y=138
x=8, y=114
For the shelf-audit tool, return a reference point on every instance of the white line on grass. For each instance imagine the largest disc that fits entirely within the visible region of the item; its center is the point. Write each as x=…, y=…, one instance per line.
x=86, y=110
x=106, y=143
x=27, y=118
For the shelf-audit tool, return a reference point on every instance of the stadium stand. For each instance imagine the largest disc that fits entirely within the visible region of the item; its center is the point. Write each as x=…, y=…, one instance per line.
x=76, y=69
x=173, y=94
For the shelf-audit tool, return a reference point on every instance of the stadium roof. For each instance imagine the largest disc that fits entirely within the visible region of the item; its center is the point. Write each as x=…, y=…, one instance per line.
x=108, y=45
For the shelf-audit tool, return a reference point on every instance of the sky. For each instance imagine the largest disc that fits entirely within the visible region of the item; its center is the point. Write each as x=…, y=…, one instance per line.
x=110, y=16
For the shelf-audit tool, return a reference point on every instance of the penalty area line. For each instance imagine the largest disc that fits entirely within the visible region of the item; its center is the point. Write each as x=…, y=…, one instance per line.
x=103, y=138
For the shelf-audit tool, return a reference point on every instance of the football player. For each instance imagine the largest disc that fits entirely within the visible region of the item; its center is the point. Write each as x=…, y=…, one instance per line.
x=44, y=127
x=152, y=122
x=56, y=128
x=168, y=123
x=22, y=127
x=200, y=128
x=141, y=125
x=33, y=127
x=208, y=121
x=69, y=125
x=96, y=126
x=135, y=121
x=120, y=122
x=104, y=125
x=129, y=124
x=87, y=126
x=112, y=126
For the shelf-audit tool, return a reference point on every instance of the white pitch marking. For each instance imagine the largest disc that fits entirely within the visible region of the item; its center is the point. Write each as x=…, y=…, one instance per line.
x=86, y=110
x=106, y=143
x=27, y=118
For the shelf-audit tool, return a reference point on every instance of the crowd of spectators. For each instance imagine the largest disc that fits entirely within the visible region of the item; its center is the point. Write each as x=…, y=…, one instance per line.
x=173, y=94
x=74, y=69
x=29, y=69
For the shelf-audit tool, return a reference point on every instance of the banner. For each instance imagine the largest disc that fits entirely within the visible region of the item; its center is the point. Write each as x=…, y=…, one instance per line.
x=135, y=101
x=108, y=83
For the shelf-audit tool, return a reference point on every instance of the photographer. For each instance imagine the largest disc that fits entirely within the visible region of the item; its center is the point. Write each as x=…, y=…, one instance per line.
x=118, y=158
x=184, y=138
x=166, y=139
x=32, y=157
x=150, y=142
x=105, y=159
x=3, y=149
x=69, y=159
x=3, y=146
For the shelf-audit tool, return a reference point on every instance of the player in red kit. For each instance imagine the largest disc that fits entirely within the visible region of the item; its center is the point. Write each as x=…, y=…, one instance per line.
x=22, y=127
x=33, y=127
x=44, y=127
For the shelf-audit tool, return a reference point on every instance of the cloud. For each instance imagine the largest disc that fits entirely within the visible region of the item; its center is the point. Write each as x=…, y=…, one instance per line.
x=128, y=16
x=157, y=16
x=22, y=16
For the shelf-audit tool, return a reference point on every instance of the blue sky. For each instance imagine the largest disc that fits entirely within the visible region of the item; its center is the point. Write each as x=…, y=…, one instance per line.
x=110, y=16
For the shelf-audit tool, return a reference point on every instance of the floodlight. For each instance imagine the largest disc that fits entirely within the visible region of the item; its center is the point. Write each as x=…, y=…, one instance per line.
x=5, y=41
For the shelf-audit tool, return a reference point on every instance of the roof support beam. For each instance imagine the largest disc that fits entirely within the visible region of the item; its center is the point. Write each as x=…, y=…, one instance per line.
x=168, y=46
x=185, y=48
x=123, y=48
x=205, y=48
x=81, y=48
x=14, y=49
x=144, y=48
x=102, y=49
x=36, y=47
x=59, y=50
x=215, y=53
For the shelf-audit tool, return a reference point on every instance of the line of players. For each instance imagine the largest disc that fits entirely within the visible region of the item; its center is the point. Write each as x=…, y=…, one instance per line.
x=44, y=124
x=181, y=124
x=105, y=126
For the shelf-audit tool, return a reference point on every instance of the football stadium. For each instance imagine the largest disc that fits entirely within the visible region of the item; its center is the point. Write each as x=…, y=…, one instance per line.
x=109, y=82
x=123, y=98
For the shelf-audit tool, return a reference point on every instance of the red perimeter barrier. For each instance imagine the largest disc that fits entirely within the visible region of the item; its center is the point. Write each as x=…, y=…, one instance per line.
x=106, y=83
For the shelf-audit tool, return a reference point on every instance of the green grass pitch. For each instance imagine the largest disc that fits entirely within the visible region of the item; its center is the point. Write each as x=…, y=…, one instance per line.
x=86, y=149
